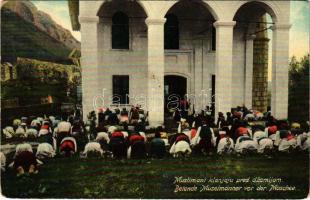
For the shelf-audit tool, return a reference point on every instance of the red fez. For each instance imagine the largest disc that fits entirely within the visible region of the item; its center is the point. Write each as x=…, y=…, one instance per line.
x=272, y=129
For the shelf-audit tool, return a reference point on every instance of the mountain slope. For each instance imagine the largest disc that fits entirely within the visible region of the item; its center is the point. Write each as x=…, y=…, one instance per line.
x=28, y=11
x=27, y=32
x=20, y=38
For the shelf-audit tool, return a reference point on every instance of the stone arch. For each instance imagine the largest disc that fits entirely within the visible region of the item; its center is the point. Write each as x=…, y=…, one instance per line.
x=203, y=3
x=177, y=74
x=194, y=20
x=252, y=26
x=268, y=6
x=102, y=4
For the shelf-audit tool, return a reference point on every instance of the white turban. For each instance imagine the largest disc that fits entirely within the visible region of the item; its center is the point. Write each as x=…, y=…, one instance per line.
x=64, y=127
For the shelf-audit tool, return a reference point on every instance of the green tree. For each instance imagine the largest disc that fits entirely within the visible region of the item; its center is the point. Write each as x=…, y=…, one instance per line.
x=299, y=89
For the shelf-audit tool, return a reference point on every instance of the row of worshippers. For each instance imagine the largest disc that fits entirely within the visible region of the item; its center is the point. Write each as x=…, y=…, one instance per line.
x=52, y=135
x=240, y=112
x=200, y=137
x=203, y=138
x=245, y=136
x=36, y=127
x=116, y=116
x=64, y=138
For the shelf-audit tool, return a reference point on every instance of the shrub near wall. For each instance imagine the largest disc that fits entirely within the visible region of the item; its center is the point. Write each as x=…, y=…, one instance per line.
x=47, y=71
x=37, y=79
x=299, y=89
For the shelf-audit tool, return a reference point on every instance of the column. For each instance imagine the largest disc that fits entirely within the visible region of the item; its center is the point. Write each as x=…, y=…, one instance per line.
x=223, y=66
x=89, y=63
x=248, y=83
x=155, y=73
x=260, y=67
x=198, y=75
x=280, y=63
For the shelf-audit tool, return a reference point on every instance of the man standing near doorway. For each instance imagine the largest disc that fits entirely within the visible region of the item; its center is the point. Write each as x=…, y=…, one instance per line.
x=184, y=106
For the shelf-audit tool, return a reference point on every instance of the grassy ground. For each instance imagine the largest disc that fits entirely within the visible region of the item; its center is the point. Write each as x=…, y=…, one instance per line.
x=100, y=178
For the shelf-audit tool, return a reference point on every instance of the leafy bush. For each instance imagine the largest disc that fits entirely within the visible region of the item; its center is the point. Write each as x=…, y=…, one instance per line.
x=37, y=79
x=299, y=89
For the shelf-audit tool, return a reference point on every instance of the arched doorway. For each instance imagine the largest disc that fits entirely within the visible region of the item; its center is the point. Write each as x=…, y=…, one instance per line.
x=175, y=88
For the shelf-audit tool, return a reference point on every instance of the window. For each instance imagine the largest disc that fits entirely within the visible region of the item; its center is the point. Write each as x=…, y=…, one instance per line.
x=213, y=42
x=121, y=89
x=120, y=31
x=171, y=32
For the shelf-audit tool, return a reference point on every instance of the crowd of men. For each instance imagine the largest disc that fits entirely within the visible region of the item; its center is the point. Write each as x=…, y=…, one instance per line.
x=121, y=134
